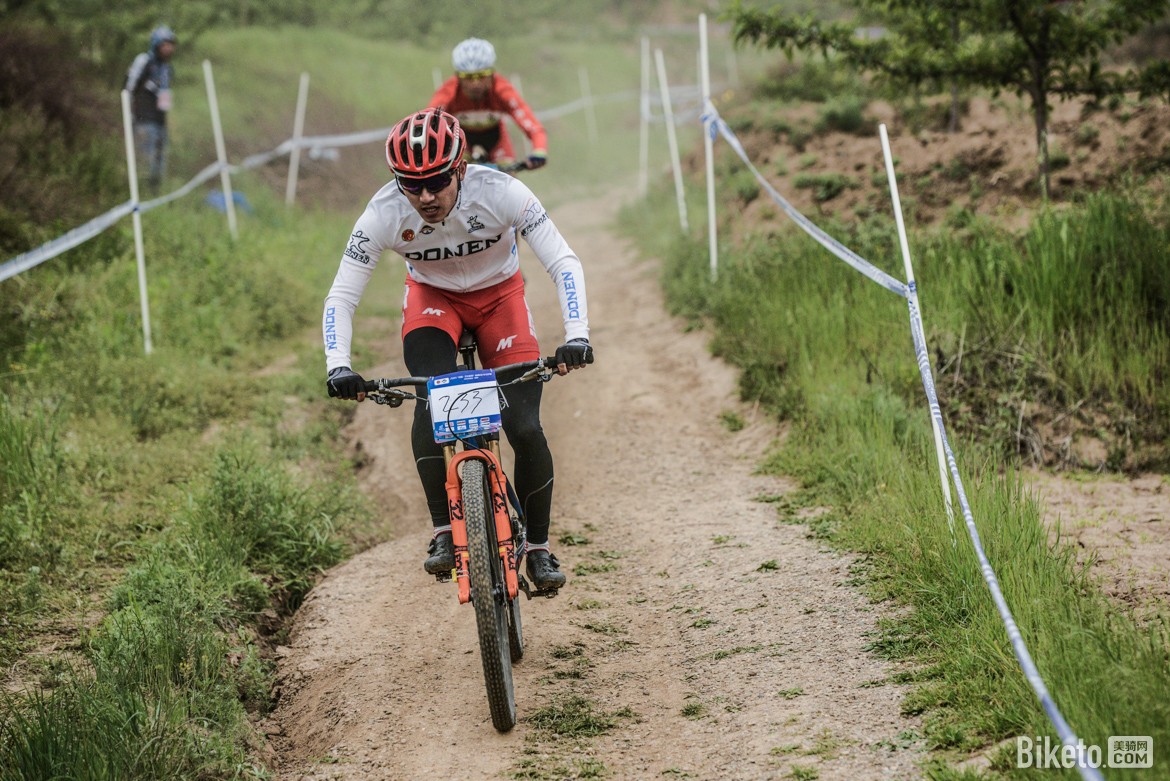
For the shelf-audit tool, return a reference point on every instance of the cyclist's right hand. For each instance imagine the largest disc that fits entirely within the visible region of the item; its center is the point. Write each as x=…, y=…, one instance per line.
x=345, y=383
x=573, y=354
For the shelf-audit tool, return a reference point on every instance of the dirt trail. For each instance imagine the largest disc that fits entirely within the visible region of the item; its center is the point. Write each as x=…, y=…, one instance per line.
x=722, y=644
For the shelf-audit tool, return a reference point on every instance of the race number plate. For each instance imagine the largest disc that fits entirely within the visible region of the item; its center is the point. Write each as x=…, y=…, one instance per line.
x=464, y=404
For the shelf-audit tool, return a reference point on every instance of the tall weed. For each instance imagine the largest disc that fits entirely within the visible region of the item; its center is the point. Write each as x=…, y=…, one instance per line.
x=33, y=485
x=1084, y=290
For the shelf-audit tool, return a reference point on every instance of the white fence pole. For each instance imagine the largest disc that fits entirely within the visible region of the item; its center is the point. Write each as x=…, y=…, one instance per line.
x=668, y=114
x=139, y=253
x=708, y=146
x=294, y=160
x=590, y=114
x=437, y=77
x=221, y=151
x=905, y=245
x=644, y=122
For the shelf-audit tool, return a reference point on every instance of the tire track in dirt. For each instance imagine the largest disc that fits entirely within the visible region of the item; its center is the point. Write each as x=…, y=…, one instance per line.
x=722, y=644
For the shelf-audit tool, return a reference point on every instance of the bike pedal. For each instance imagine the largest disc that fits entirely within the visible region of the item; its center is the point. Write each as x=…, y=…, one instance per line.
x=443, y=577
x=531, y=592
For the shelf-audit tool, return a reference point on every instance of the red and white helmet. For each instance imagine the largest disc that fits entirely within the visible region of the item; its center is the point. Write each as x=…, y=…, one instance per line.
x=425, y=143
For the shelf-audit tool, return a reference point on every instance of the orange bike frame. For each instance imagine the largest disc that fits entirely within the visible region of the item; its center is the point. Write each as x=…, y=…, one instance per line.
x=507, y=546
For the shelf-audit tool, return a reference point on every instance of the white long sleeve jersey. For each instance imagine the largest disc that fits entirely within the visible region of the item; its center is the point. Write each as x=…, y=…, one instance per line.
x=472, y=249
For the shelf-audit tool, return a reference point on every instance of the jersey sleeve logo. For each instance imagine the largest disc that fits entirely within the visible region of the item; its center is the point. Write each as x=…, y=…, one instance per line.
x=533, y=217
x=541, y=220
x=357, y=247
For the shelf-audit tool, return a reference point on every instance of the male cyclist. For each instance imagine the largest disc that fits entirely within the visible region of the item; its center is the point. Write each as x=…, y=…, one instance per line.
x=480, y=98
x=457, y=226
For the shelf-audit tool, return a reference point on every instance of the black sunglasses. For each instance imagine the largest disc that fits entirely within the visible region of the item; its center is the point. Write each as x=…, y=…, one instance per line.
x=433, y=184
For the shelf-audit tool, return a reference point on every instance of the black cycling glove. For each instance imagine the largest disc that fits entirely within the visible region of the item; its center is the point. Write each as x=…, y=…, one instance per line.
x=345, y=383
x=574, y=353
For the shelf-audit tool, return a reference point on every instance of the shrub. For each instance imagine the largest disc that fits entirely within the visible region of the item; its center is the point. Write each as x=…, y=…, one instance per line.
x=825, y=187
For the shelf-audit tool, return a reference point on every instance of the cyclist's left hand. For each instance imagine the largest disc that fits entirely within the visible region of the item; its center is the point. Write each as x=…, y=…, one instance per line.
x=537, y=160
x=345, y=383
x=573, y=354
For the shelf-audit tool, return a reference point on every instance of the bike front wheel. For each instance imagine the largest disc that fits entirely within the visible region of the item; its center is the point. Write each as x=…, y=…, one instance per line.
x=489, y=595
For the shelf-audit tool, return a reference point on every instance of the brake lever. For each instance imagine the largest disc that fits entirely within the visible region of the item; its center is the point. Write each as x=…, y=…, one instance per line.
x=392, y=397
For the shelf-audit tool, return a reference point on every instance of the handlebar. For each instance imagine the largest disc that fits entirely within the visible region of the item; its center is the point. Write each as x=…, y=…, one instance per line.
x=540, y=368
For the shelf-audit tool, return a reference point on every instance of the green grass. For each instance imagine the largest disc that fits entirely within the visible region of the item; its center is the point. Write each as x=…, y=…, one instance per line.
x=574, y=716
x=123, y=496
x=178, y=654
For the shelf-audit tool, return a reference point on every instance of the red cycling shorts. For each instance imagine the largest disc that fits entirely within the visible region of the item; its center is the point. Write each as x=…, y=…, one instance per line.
x=498, y=315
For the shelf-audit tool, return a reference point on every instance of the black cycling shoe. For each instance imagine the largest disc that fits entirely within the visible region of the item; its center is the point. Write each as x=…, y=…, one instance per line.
x=544, y=570
x=442, y=555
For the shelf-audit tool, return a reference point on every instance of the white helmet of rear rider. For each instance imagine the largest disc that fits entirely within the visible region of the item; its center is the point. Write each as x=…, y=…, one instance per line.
x=473, y=55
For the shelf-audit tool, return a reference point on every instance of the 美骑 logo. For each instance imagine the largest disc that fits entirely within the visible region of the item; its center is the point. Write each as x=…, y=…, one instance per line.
x=473, y=223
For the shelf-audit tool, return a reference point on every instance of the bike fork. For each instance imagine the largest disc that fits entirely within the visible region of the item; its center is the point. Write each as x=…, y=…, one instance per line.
x=506, y=544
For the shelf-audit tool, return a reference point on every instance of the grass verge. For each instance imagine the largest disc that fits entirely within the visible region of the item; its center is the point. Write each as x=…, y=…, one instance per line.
x=148, y=556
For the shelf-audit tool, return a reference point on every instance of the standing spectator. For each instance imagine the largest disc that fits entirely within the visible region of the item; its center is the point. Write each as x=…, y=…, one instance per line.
x=149, y=83
x=480, y=98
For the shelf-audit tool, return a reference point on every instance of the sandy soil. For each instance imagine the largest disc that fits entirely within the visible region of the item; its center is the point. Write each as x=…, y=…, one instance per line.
x=1120, y=527
x=722, y=644
x=988, y=167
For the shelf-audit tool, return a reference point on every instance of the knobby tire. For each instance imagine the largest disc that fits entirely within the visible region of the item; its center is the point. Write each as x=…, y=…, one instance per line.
x=487, y=580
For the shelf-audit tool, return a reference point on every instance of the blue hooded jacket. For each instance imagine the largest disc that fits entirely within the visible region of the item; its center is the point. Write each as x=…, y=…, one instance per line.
x=148, y=77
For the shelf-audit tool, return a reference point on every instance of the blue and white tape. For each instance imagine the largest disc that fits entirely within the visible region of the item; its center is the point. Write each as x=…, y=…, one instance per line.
x=712, y=119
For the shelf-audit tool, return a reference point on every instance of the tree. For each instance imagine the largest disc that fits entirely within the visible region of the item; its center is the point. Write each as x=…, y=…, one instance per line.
x=1038, y=48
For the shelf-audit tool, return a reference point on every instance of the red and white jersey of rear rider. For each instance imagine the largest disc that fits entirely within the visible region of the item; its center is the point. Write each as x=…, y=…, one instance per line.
x=472, y=249
x=488, y=113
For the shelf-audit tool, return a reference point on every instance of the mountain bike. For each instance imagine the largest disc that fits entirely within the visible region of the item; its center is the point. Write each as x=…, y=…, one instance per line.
x=487, y=524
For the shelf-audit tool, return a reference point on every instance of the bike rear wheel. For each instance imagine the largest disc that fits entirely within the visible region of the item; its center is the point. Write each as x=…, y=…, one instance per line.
x=489, y=595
